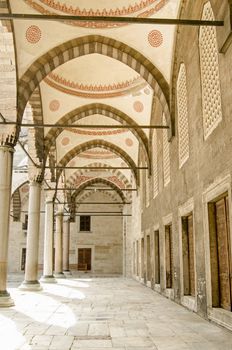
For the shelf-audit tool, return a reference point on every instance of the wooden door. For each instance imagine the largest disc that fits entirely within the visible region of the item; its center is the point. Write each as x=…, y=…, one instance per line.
x=142, y=258
x=84, y=259
x=188, y=255
x=23, y=259
x=168, y=256
x=185, y=255
x=223, y=244
x=157, y=258
x=148, y=259
x=137, y=258
x=191, y=256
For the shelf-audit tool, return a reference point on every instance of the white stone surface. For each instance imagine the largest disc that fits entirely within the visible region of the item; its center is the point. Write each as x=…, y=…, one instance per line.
x=103, y=313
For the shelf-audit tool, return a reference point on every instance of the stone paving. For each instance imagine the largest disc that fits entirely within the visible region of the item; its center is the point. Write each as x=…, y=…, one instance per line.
x=103, y=313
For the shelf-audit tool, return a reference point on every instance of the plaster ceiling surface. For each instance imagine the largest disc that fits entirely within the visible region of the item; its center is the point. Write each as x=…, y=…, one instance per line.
x=96, y=78
x=35, y=38
x=97, y=156
x=56, y=104
x=126, y=141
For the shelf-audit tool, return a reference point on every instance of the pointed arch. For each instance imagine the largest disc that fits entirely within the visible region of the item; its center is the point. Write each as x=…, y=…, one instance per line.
x=88, y=45
x=104, y=110
x=94, y=181
x=93, y=144
x=114, y=172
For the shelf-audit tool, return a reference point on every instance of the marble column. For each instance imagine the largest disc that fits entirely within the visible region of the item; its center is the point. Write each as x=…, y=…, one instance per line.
x=59, y=246
x=31, y=267
x=48, y=240
x=6, y=160
x=66, y=243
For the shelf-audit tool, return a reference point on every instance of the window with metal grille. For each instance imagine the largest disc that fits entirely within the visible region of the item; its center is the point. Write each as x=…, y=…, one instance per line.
x=85, y=223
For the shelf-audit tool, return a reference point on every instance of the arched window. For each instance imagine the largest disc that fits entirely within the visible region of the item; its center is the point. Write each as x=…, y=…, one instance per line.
x=155, y=164
x=166, y=155
x=211, y=92
x=182, y=109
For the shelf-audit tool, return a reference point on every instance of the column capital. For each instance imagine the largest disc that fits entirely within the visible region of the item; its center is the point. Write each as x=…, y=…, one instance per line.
x=8, y=135
x=7, y=148
x=35, y=174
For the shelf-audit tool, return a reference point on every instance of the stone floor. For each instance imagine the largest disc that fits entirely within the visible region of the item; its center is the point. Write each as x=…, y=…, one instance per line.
x=103, y=313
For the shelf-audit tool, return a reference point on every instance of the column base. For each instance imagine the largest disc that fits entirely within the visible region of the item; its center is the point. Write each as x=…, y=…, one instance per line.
x=59, y=275
x=30, y=286
x=68, y=273
x=6, y=300
x=48, y=279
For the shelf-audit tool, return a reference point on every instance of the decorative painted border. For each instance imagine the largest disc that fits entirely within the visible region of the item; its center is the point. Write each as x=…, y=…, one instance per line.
x=94, y=88
x=91, y=132
x=117, y=12
x=95, y=93
x=97, y=156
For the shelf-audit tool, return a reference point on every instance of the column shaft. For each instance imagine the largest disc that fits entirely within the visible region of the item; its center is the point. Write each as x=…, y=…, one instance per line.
x=66, y=243
x=31, y=268
x=48, y=243
x=6, y=159
x=59, y=246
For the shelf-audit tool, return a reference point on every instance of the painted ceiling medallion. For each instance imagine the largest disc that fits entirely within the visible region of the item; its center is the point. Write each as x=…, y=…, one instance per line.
x=93, y=90
x=65, y=141
x=33, y=34
x=141, y=8
x=54, y=105
x=138, y=106
x=129, y=142
x=155, y=38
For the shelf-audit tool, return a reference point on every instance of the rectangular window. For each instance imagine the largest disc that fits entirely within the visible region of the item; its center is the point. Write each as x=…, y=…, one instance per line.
x=85, y=223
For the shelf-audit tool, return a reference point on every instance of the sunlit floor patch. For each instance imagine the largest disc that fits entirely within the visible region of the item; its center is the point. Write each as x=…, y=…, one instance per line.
x=103, y=313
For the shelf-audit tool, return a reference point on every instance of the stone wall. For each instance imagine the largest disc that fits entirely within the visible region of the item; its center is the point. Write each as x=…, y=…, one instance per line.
x=105, y=237
x=204, y=176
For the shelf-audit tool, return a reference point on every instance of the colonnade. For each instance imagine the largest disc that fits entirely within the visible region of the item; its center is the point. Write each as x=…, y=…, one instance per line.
x=61, y=234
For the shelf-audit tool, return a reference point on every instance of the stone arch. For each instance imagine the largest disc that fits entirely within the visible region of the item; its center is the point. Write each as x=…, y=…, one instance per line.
x=114, y=172
x=112, y=196
x=93, y=144
x=94, y=181
x=88, y=45
x=16, y=199
x=17, y=202
x=37, y=134
x=102, y=109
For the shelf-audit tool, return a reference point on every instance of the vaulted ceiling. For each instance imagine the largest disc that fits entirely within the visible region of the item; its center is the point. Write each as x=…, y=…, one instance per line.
x=94, y=74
